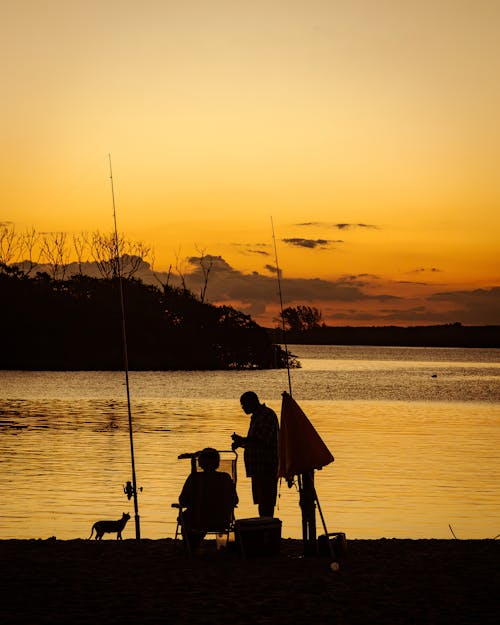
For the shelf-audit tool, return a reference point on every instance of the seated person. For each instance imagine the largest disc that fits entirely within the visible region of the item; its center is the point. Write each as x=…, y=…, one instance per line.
x=209, y=496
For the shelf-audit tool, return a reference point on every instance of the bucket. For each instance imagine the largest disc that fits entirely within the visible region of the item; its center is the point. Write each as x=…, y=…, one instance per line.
x=259, y=536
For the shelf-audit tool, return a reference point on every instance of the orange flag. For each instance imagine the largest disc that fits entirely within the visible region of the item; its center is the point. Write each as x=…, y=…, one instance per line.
x=301, y=448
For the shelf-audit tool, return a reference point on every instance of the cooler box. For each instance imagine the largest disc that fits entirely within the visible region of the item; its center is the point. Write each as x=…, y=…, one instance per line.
x=259, y=536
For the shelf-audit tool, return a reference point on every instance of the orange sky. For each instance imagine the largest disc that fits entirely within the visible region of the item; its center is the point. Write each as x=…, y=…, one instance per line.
x=369, y=131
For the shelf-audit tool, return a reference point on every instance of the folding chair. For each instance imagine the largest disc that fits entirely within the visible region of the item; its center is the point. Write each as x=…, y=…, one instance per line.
x=211, y=500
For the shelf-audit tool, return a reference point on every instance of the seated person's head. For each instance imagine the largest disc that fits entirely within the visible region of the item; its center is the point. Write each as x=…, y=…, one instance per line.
x=209, y=459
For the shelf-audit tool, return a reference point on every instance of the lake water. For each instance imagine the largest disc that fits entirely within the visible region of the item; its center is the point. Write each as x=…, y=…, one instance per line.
x=414, y=431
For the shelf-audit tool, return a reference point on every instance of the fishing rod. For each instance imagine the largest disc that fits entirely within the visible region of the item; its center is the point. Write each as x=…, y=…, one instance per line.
x=283, y=331
x=133, y=488
x=307, y=489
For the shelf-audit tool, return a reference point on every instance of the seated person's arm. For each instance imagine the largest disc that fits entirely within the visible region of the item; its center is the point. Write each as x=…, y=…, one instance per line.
x=186, y=496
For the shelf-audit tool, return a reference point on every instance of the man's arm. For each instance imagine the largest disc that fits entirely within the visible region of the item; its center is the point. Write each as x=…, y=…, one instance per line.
x=238, y=441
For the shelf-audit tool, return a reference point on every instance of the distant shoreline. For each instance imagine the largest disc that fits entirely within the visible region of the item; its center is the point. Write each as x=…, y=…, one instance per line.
x=449, y=335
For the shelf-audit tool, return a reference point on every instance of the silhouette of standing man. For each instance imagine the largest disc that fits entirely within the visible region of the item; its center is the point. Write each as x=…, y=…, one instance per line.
x=261, y=452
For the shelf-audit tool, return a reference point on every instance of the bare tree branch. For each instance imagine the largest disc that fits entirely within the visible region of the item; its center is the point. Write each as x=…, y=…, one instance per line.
x=10, y=244
x=206, y=263
x=164, y=284
x=55, y=253
x=180, y=269
x=30, y=242
x=80, y=245
x=114, y=255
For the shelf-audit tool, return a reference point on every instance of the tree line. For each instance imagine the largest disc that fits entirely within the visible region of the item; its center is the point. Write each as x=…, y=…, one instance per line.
x=75, y=324
x=304, y=325
x=23, y=255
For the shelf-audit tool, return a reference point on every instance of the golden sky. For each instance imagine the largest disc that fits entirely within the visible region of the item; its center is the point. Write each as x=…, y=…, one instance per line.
x=368, y=130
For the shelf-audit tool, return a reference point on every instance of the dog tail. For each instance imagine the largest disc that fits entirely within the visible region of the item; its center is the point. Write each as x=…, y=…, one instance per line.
x=93, y=527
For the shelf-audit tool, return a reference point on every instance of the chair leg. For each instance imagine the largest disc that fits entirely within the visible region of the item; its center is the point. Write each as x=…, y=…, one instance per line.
x=185, y=536
x=239, y=541
x=187, y=545
x=180, y=528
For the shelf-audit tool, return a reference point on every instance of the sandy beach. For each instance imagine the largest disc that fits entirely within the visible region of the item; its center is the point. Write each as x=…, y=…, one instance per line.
x=150, y=581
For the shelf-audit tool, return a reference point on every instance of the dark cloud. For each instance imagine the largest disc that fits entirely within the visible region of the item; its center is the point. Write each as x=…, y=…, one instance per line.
x=215, y=262
x=309, y=243
x=396, y=311
x=349, y=298
x=253, y=248
x=351, y=226
x=475, y=307
x=339, y=226
x=226, y=284
x=425, y=270
x=493, y=293
x=360, y=280
x=478, y=306
x=262, y=252
x=412, y=282
x=394, y=316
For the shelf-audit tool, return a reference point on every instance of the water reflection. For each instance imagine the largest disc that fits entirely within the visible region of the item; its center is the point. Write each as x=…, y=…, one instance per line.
x=404, y=470
x=413, y=453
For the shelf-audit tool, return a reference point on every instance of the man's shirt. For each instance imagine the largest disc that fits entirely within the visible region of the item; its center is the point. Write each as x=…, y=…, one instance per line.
x=261, y=449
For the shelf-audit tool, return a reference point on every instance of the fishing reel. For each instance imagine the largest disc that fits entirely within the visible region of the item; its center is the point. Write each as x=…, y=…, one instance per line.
x=128, y=489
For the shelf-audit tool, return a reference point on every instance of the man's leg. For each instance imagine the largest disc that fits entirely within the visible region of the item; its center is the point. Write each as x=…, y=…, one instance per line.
x=265, y=490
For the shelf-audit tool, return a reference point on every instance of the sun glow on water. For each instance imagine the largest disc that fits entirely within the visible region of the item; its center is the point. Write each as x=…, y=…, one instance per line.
x=407, y=463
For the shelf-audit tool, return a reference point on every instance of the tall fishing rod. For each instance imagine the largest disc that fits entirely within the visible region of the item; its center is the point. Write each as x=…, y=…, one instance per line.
x=278, y=274
x=125, y=358
x=307, y=489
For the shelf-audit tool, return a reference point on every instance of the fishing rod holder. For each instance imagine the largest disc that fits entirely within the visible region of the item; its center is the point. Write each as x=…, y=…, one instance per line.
x=128, y=489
